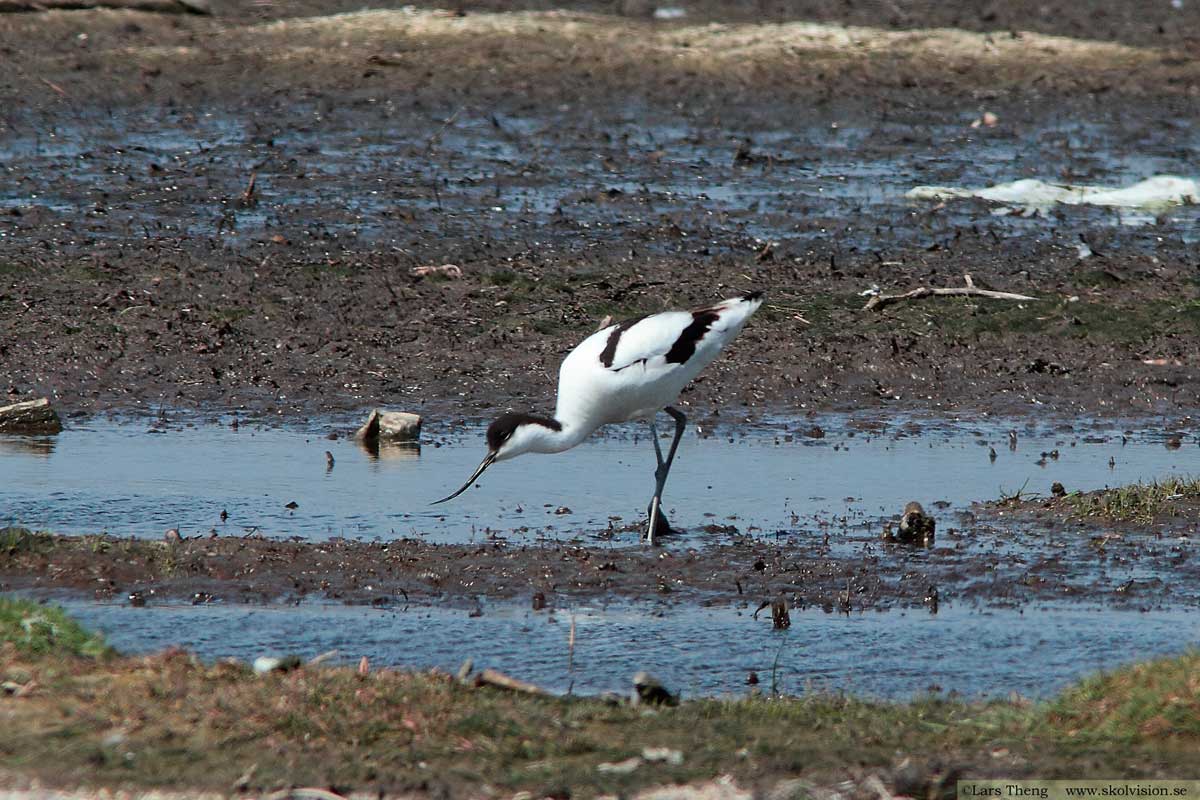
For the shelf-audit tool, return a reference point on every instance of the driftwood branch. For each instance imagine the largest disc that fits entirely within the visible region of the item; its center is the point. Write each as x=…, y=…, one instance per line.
x=491, y=677
x=970, y=290
x=161, y=6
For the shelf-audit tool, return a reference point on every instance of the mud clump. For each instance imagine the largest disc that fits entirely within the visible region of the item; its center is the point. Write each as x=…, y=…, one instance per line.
x=915, y=527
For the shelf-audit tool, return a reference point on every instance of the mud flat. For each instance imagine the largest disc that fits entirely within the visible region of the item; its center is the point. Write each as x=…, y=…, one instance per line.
x=228, y=209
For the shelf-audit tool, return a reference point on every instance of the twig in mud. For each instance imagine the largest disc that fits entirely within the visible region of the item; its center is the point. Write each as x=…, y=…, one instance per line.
x=795, y=312
x=437, y=136
x=248, y=195
x=970, y=290
x=491, y=677
x=61, y=91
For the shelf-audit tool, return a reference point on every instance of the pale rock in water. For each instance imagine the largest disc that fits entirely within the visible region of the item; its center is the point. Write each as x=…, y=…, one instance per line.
x=33, y=416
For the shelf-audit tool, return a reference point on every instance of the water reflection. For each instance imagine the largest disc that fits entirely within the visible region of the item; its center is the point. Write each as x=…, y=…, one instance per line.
x=28, y=445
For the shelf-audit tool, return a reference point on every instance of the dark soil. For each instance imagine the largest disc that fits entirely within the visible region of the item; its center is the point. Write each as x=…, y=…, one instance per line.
x=997, y=560
x=547, y=156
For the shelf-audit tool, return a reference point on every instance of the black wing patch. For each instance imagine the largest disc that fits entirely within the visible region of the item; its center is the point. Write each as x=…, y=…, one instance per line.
x=685, y=346
x=610, y=347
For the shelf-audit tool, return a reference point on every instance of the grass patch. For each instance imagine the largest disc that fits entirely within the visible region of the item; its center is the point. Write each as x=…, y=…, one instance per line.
x=1124, y=324
x=1138, y=502
x=229, y=315
x=9, y=269
x=14, y=540
x=1155, y=699
x=39, y=630
x=171, y=721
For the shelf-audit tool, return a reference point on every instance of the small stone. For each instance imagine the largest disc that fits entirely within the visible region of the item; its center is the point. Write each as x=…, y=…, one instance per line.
x=265, y=664
x=649, y=690
x=664, y=754
x=619, y=767
x=390, y=425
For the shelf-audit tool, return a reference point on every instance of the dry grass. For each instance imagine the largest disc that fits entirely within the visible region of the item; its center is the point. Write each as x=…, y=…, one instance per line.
x=172, y=722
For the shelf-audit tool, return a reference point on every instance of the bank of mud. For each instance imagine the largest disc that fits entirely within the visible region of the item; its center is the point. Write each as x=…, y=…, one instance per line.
x=989, y=560
x=227, y=211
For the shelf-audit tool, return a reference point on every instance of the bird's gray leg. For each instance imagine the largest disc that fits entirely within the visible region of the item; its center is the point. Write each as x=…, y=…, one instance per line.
x=654, y=438
x=658, y=521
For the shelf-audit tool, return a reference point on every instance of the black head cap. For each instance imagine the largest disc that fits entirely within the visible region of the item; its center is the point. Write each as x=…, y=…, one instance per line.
x=501, y=430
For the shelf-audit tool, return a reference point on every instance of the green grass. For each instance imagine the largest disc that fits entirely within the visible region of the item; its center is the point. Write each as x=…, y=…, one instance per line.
x=1125, y=324
x=1155, y=699
x=229, y=315
x=15, y=540
x=1138, y=502
x=42, y=630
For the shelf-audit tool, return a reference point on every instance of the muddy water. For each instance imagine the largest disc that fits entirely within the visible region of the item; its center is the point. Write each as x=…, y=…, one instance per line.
x=772, y=478
x=780, y=477
x=698, y=651
x=389, y=175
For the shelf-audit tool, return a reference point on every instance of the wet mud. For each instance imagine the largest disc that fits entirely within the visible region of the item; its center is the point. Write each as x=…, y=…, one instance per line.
x=228, y=211
x=990, y=561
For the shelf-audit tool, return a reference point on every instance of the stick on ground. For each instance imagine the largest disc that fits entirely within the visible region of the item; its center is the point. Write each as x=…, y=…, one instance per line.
x=970, y=290
x=491, y=677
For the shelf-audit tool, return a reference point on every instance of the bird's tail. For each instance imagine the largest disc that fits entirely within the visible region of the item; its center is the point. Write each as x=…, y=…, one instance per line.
x=736, y=310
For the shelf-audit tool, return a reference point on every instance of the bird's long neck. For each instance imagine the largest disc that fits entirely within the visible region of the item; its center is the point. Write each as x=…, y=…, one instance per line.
x=553, y=435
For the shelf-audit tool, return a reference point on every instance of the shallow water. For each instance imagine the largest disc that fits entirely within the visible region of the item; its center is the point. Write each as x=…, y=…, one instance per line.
x=137, y=477
x=768, y=479
x=699, y=651
x=406, y=174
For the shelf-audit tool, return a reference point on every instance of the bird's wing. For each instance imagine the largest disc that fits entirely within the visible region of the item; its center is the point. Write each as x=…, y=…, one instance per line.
x=638, y=340
x=672, y=337
x=666, y=339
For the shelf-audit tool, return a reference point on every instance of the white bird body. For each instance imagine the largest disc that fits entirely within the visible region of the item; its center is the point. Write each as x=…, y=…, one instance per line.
x=627, y=371
x=638, y=378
